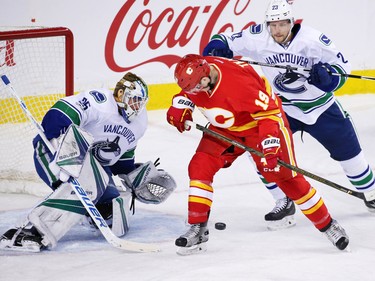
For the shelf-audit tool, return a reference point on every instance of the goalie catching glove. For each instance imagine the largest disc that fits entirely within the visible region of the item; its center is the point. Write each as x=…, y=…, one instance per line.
x=180, y=111
x=271, y=153
x=148, y=184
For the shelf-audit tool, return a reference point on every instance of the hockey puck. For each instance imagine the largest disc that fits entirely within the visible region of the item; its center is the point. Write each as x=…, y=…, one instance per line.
x=220, y=225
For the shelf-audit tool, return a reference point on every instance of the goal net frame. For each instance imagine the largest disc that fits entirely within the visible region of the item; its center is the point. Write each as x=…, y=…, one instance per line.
x=42, y=32
x=13, y=178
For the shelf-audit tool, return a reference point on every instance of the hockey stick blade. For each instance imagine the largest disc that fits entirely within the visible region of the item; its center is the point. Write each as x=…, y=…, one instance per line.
x=80, y=192
x=281, y=163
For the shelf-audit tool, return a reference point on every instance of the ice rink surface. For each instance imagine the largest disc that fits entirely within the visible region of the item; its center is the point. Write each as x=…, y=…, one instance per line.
x=246, y=250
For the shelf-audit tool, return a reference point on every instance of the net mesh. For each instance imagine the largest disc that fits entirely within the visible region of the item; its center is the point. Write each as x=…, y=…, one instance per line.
x=36, y=69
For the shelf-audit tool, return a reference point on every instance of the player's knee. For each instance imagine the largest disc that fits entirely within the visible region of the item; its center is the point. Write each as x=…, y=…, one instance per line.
x=204, y=166
x=295, y=188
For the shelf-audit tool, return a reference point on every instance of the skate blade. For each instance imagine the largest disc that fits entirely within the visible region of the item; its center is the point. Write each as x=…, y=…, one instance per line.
x=347, y=249
x=28, y=249
x=7, y=246
x=287, y=222
x=196, y=249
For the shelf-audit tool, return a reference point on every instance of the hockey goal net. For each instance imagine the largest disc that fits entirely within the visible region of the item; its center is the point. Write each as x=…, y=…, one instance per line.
x=39, y=63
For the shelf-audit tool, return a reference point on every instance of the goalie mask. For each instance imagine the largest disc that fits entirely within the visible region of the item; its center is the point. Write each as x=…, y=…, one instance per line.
x=131, y=95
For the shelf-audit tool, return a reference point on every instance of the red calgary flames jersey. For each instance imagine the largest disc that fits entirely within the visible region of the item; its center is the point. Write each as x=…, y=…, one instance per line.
x=239, y=102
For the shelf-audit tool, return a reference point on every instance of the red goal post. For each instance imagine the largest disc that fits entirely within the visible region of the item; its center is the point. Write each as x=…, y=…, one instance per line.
x=39, y=63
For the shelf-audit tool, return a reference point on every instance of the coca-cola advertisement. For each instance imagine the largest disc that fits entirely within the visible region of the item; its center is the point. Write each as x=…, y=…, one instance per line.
x=168, y=33
x=150, y=36
x=147, y=37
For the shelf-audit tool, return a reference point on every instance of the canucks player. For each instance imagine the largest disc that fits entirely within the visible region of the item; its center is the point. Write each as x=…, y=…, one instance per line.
x=307, y=98
x=116, y=120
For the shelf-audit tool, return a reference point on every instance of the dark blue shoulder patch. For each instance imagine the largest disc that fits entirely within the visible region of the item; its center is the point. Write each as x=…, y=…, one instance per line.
x=98, y=96
x=256, y=29
x=325, y=40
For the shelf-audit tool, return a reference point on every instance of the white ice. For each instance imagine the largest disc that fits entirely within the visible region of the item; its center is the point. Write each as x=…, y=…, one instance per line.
x=246, y=250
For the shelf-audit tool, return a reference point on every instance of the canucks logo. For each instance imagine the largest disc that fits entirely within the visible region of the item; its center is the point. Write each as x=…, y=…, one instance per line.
x=290, y=81
x=105, y=151
x=325, y=40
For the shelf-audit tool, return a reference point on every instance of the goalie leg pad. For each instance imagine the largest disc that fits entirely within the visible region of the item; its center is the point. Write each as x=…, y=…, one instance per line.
x=46, y=223
x=116, y=214
x=55, y=216
x=120, y=220
x=149, y=185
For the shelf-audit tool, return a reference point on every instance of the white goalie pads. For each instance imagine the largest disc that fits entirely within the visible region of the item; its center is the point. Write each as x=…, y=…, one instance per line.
x=121, y=214
x=72, y=150
x=149, y=185
x=56, y=215
x=119, y=218
x=62, y=209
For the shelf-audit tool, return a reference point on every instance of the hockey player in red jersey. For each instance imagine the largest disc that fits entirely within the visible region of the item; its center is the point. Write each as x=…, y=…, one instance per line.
x=234, y=99
x=308, y=99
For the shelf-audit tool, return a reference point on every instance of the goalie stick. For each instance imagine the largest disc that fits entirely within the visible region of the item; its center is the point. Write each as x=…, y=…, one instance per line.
x=288, y=67
x=280, y=162
x=80, y=192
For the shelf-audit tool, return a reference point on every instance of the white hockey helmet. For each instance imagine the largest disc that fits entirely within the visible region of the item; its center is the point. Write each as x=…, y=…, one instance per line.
x=135, y=96
x=279, y=10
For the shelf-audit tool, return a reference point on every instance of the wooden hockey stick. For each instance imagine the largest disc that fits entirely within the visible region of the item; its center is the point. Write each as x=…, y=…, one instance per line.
x=288, y=67
x=80, y=192
x=280, y=162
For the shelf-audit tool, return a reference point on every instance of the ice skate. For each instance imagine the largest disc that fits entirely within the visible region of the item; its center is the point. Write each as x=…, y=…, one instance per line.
x=194, y=240
x=282, y=215
x=370, y=205
x=20, y=239
x=337, y=235
x=369, y=200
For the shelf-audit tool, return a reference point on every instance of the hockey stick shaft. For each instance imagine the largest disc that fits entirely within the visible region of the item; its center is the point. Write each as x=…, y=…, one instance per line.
x=288, y=67
x=280, y=162
x=79, y=190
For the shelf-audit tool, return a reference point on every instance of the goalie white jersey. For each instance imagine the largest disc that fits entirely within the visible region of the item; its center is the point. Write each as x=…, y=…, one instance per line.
x=300, y=99
x=96, y=112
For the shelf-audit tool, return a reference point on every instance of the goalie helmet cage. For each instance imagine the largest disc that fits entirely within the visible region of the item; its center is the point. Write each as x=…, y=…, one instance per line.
x=39, y=64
